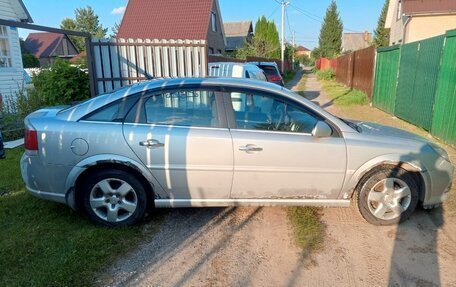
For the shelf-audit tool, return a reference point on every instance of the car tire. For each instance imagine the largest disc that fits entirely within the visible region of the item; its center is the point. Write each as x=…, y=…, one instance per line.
x=114, y=198
x=387, y=196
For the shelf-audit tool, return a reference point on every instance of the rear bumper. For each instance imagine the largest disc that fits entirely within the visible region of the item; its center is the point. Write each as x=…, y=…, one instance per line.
x=34, y=175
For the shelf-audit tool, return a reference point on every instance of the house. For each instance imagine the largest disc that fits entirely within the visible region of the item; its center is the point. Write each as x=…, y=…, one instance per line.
x=237, y=34
x=355, y=41
x=173, y=20
x=11, y=68
x=49, y=46
x=303, y=51
x=414, y=20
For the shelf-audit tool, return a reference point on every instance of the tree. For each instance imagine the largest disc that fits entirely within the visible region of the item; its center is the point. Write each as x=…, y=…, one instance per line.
x=85, y=21
x=28, y=60
x=382, y=34
x=115, y=30
x=265, y=42
x=330, y=40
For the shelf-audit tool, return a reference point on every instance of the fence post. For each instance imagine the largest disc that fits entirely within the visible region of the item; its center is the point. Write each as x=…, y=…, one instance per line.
x=91, y=70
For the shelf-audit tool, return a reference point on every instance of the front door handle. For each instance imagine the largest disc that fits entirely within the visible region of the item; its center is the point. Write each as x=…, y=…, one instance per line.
x=151, y=144
x=250, y=147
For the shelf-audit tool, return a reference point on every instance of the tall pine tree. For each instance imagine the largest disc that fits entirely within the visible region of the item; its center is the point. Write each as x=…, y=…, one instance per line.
x=265, y=42
x=86, y=21
x=330, y=40
x=382, y=34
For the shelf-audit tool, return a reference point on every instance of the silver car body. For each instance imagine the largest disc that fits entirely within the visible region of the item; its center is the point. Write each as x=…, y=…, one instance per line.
x=206, y=166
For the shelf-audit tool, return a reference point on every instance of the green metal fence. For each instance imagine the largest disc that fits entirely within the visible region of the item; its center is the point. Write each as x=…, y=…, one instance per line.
x=444, y=120
x=417, y=83
x=386, y=73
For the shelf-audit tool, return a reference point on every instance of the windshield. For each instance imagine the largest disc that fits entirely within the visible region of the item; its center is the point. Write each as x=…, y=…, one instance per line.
x=352, y=125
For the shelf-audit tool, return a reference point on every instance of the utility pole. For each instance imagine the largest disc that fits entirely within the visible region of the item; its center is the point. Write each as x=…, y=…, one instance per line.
x=294, y=48
x=282, y=49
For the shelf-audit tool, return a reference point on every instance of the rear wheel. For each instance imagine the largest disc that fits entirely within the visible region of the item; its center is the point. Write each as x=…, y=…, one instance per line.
x=387, y=196
x=114, y=198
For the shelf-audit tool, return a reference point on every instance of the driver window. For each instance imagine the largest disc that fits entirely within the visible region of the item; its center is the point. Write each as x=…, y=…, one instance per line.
x=263, y=112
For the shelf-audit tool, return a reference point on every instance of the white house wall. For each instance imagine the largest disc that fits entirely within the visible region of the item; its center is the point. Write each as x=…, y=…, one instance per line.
x=11, y=79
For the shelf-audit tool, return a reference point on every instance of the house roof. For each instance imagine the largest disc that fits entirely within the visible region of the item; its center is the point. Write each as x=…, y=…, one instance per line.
x=410, y=7
x=20, y=10
x=42, y=45
x=238, y=29
x=302, y=49
x=356, y=41
x=170, y=19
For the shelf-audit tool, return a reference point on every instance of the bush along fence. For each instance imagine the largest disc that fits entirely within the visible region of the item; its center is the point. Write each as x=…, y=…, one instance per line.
x=355, y=70
x=417, y=82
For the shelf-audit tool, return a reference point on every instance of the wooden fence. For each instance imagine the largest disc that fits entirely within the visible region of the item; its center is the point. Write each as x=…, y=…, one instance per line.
x=356, y=70
x=121, y=62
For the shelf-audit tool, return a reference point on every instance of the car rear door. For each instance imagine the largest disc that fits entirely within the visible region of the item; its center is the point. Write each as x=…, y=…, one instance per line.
x=182, y=137
x=275, y=155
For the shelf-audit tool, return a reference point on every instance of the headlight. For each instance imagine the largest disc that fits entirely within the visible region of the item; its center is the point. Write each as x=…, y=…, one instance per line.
x=440, y=151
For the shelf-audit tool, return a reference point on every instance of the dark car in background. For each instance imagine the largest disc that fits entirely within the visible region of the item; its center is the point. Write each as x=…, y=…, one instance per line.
x=272, y=72
x=2, y=151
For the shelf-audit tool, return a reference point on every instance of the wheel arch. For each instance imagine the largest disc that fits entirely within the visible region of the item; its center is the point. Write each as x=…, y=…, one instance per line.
x=418, y=171
x=89, y=166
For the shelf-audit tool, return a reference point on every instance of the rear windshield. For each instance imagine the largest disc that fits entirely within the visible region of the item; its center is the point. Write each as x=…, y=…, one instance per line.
x=269, y=70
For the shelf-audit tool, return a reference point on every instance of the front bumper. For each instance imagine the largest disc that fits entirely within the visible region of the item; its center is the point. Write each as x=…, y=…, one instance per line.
x=438, y=182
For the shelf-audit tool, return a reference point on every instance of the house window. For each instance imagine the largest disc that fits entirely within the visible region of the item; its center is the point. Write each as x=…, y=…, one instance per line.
x=5, y=52
x=213, y=21
x=399, y=10
x=211, y=51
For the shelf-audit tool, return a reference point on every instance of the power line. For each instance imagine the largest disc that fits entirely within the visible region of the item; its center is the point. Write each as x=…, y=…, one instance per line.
x=274, y=11
x=314, y=17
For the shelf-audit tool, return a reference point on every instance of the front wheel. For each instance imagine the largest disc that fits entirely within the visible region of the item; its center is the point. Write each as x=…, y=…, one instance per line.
x=387, y=196
x=114, y=198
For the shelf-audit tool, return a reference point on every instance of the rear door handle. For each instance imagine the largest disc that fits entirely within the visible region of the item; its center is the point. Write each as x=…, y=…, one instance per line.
x=250, y=147
x=151, y=144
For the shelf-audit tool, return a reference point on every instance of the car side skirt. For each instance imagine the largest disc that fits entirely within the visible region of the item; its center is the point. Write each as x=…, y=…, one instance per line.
x=167, y=203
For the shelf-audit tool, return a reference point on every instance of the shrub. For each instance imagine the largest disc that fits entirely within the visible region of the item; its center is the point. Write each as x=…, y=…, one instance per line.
x=326, y=75
x=62, y=84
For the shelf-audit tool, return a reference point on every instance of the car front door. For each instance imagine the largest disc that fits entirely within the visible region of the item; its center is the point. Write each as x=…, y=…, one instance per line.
x=275, y=154
x=182, y=137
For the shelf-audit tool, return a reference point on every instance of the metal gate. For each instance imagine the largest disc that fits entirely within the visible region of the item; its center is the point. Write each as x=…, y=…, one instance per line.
x=444, y=121
x=386, y=73
x=418, y=75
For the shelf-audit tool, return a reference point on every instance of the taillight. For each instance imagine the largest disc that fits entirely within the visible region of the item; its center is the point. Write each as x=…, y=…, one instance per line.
x=31, y=139
x=274, y=78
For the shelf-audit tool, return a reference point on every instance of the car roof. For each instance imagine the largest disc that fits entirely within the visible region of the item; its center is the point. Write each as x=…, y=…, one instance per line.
x=79, y=111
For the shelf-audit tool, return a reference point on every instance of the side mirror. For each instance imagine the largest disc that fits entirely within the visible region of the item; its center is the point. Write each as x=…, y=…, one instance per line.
x=321, y=130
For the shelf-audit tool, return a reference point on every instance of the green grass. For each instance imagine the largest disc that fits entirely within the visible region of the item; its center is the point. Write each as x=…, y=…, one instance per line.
x=308, y=229
x=289, y=76
x=342, y=95
x=325, y=75
x=47, y=244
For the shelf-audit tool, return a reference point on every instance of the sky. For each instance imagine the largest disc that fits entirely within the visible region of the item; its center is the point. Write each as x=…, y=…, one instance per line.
x=303, y=16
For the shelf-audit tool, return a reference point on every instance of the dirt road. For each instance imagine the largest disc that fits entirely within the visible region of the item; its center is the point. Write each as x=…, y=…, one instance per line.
x=254, y=247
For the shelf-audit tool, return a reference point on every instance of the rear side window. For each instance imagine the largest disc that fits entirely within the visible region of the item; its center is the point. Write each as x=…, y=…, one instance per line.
x=114, y=112
x=181, y=108
x=270, y=70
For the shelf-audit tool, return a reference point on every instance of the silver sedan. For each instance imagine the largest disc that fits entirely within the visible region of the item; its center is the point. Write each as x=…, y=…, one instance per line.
x=224, y=142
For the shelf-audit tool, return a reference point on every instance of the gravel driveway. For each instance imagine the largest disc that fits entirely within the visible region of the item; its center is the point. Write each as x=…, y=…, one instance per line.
x=254, y=247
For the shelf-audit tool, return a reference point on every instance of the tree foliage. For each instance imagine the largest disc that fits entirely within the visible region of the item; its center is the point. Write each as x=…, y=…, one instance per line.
x=85, y=21
x=62, y=84
x=265, y=42
x=28, y=60
x=115, y=30
x=382, y=34
x=330, y=40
